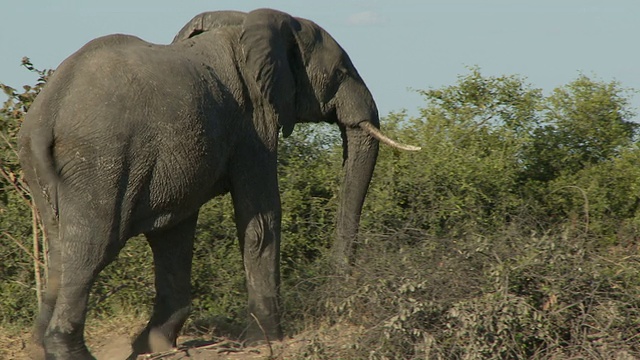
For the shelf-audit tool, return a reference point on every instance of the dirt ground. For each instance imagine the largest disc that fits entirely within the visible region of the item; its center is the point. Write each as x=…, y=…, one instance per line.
x=199, y=349
x=111, y=341
x=118, y=348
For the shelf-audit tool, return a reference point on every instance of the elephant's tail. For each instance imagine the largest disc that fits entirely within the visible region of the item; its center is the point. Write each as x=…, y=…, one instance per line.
x=41, y=148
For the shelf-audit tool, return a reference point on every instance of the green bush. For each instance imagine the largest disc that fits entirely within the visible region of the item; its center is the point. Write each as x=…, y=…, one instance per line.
x=17, y=271
x=470, y=133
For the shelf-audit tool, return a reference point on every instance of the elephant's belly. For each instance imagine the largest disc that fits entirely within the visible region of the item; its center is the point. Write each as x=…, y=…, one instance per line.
x=157, y=215
x=177, y=189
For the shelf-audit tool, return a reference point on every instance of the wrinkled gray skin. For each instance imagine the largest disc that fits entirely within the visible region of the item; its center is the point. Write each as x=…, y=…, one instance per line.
x=130, y=137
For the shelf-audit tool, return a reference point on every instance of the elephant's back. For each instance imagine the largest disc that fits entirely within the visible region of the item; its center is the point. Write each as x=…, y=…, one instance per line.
x=121, y=85
x=121, y=81
x=119, y=69
x=120, y=105
x=70, y=83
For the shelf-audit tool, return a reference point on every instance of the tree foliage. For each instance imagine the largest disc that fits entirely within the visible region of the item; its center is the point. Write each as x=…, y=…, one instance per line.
x=19, y=248
x=584, y=123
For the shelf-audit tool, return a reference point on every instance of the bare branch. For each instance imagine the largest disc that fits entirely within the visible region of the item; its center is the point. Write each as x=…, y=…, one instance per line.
x=265, y=335
x=36, y=255
x=16, y=183
x=13, y=149
x=21, y=246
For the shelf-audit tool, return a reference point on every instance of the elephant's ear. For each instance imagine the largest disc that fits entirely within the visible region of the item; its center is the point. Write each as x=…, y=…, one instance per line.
x=268, y=41
x=208, y=21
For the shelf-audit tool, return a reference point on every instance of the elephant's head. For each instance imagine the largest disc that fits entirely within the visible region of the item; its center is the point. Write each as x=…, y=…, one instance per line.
x=305, y=76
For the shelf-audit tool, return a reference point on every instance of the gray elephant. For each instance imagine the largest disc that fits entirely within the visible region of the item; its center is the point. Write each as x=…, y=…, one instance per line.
x=132, y=138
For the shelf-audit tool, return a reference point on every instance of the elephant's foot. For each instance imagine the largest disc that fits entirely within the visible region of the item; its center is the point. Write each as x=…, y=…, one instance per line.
x=64, y=346
x=152, y=341
x=255, y=336
x=80, y=355
x=35, y=351
x=61, y=353
x=262, y=331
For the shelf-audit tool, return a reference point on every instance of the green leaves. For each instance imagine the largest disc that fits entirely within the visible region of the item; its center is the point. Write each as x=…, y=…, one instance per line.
x=478, y=101
x=584, y=123
x=495, y=150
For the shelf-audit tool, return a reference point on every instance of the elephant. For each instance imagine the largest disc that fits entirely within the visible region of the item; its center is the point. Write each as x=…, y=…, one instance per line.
x=129, y=137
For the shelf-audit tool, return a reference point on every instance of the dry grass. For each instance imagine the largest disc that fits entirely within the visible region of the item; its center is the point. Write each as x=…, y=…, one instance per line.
x=13, y=343
x=552, y=296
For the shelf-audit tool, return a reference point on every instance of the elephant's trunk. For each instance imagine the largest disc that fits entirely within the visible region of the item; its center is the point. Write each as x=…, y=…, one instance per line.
x=359, y=122
x=360, y=153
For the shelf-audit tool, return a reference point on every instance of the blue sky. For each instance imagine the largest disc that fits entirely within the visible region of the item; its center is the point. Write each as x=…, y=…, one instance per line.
x=397, y=45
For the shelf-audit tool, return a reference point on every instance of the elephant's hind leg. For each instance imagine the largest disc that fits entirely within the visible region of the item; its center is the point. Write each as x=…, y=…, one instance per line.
x=86, y=245
x=172, y=253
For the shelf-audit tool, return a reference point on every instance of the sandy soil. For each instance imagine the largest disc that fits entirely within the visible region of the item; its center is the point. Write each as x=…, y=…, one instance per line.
x=199, y=349
x=116, y=346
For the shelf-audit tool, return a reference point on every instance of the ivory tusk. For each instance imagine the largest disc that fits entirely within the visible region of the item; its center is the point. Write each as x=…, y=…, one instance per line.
x=377, y=134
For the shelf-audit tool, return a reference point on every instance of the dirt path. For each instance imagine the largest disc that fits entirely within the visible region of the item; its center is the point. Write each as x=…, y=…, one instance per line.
x=112, y=341
x=198, y=349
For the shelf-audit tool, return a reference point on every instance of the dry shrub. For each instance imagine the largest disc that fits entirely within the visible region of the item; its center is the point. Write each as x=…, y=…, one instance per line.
x=512, y=296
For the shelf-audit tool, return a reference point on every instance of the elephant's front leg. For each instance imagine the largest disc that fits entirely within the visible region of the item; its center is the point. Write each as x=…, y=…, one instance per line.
x=258, y=214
